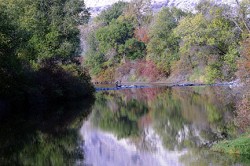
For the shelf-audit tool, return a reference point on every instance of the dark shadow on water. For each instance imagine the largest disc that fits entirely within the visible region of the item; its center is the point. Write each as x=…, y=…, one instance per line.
x=42, y=134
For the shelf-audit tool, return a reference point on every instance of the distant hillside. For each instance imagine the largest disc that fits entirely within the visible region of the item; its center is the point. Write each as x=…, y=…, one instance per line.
x=96, y=6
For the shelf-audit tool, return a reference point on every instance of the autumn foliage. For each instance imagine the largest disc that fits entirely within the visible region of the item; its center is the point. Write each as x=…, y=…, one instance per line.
x=140, y=69
x=148, y=69
x=141, y=34
x=243, y=106
x=244, y=62
x=243, y=113
x=174, y=44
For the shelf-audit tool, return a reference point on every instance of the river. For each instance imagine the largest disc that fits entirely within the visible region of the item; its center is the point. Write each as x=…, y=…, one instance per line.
x=130, y=127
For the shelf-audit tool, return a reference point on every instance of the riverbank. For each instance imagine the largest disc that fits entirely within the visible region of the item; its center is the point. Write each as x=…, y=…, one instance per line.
x=239, y=146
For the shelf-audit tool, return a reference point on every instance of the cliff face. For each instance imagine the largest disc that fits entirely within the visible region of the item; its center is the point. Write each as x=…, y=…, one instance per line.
x=97, y=6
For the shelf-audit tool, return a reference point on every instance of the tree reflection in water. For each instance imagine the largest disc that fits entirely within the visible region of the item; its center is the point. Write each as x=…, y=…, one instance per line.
x=43, y=135
x=186, y=118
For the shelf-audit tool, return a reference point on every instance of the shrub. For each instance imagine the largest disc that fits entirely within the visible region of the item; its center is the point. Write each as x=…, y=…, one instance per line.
x=244, y=62
x=230, y=65
x=213, y=72
x=125, y=68
x=197, y=75
x=243, y=113
x=148, y=70
x=107, y=74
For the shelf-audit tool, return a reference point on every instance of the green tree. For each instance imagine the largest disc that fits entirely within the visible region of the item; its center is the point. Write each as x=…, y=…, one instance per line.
x=206, y=39
x=133, y=49
x=118, y=37
x=113, y=12
x=10, y=66
x=113, y=35
x=163, y=45
x=51, y=27
x=39, y=40
x=95, y=62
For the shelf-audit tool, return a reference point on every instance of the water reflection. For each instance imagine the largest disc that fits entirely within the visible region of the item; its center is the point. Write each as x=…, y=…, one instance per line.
x=102, y=148
x=159, y=126
x=43, y=135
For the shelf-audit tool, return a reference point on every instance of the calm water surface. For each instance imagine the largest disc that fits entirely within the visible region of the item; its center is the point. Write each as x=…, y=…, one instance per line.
x=160, y=126
x=131, y=127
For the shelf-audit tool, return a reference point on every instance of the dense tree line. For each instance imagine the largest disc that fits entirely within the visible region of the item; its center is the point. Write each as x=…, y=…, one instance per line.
x=39, y=43
x=204, y=46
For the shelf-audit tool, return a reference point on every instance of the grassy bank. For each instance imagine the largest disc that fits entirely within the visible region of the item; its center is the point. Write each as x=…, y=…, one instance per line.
x=240, y=145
